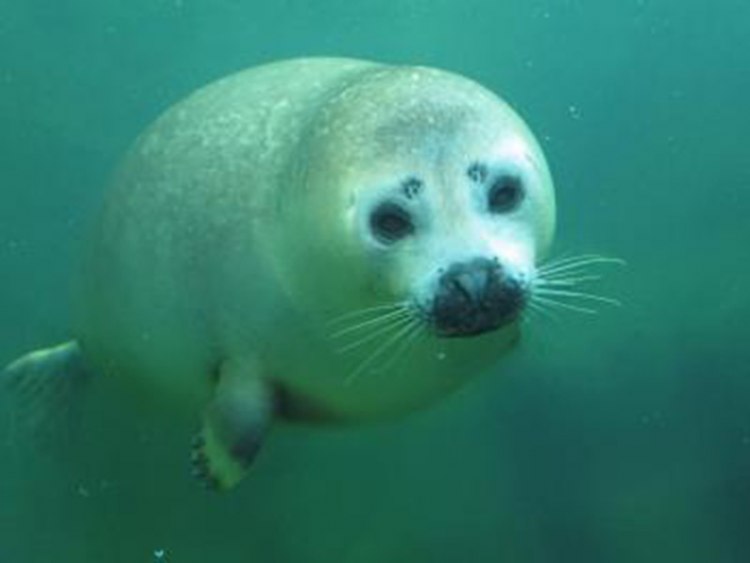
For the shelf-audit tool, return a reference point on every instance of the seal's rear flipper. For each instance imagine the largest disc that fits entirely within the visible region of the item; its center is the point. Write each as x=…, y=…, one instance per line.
x=41, y=387
x=234, y=426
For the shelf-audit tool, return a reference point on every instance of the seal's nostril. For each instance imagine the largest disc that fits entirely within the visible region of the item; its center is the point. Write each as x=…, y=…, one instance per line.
x=474, y=297
x=470, y=280
x=469, y=285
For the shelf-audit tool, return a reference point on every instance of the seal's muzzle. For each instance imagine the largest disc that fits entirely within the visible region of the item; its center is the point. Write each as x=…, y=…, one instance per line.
x=475, y=297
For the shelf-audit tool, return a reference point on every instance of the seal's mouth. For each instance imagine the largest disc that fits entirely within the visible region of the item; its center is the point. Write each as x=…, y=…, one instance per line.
x=476, y=297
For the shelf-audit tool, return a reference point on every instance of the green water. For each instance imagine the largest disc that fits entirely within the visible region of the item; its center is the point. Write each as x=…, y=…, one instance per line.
x=619, y=438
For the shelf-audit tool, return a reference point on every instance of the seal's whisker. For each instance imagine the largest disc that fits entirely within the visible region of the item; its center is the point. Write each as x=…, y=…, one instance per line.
x=365, y=311
x=552, y=281
x=370, y=322
x=564, y=260
x=574, y=258
x=417, y=329
x=542, y=311
x=561, y=305
x=573, y=266
x=395, y=323
x=578, y=295
x=380, y=350
x=551, y=287
x=542, y=317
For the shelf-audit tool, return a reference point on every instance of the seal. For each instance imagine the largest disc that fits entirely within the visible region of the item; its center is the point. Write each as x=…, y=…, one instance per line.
x=313, y=239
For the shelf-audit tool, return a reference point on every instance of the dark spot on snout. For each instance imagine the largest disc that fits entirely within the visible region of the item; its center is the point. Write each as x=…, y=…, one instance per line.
x=475, y=297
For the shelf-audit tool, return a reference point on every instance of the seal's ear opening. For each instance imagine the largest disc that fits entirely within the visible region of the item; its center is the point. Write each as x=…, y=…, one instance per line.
x=475, y=297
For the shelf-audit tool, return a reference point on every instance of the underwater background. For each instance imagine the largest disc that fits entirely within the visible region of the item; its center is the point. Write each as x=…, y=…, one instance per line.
x=617, y=437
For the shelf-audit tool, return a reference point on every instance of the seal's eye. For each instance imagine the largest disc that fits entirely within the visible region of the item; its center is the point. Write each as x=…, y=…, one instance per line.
x=505, y=194
x=390, y=222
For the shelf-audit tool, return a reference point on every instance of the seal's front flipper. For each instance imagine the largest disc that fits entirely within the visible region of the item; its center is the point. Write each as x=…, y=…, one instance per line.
x=234, y=425
x=41, y=387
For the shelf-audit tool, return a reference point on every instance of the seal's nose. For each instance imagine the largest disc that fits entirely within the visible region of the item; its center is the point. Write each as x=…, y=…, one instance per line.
x=475, y=297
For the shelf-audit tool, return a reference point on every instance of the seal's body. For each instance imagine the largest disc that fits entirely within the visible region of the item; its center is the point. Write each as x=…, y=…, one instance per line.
x=324, y=239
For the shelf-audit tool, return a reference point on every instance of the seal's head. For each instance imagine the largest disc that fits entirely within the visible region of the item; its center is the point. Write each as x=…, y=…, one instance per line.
x=440, y=196
x=458, y=242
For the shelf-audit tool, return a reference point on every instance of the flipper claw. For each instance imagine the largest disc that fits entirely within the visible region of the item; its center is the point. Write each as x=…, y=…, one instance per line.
x=234, y=426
